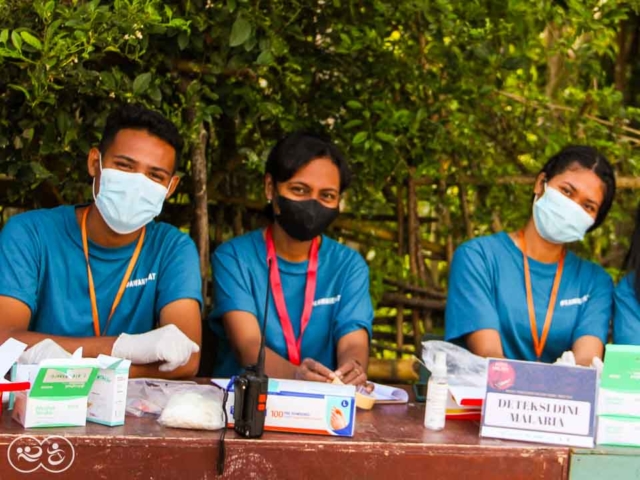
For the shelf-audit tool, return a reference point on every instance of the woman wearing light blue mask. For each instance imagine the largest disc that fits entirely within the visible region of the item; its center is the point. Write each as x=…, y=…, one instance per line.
x=522, y=295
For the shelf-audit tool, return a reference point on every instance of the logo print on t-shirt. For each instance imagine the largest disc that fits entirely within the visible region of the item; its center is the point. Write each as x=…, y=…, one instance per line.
x=326, y=301
x=574, y=301
x=141, y=282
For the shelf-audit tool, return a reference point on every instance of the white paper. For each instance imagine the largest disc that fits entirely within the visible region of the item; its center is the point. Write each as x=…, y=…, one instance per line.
x=10, y=351
x=221, y=382
x=385, y=393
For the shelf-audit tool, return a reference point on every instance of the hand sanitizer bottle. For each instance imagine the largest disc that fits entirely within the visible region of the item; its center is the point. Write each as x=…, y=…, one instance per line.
x=437, y=392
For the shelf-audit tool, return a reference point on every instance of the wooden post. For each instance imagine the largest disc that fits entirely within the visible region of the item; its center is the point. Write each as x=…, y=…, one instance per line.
x=401, y=250
x=415, y=255
x=400, y=218
x=200, y=203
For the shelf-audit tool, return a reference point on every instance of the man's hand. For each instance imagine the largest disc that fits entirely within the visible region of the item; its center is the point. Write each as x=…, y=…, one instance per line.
x=167, y=345
x=314, y=371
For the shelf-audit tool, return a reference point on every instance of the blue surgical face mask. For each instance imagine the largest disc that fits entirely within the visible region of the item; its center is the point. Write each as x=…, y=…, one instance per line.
x=558, y=219
x=128, y=201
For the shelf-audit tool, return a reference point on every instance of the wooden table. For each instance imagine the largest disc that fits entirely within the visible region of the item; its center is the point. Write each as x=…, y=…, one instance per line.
x=390, y=443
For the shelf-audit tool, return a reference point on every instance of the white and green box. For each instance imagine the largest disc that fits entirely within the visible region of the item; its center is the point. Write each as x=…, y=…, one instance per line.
x=58, y=397
x=619, y=392
x=108, y=396
x=621, y=431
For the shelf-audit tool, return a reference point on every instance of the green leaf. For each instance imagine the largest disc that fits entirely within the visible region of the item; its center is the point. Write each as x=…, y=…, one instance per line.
x=141, y=83
x=4, y=36
x=39, y=170
x=183, y=40
x=386, y=137
x=49, y=7
x=5, y=52
x=356, y=105
x=28, y=133
x=352, y=123
x=31, y=40
x=265, y=58
x=155, y=94
x=231, y=5
x=16, y=40
x=20, y=89
x=359, y=138
x=240, y=32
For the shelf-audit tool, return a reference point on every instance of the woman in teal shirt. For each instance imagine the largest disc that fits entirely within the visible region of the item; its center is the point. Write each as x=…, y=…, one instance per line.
x=522, y=295
x=319, y=314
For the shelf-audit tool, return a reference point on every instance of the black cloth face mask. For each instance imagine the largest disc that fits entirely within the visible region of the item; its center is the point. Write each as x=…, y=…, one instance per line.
x=304, y=219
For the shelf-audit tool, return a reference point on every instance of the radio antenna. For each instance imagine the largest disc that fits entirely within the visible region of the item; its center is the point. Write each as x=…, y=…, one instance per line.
x=263, y=330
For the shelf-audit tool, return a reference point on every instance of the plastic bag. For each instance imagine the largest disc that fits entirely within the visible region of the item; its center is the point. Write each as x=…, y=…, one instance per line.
x=198, y=407
x=463, y=367
x=43, y=350
x=150, y=396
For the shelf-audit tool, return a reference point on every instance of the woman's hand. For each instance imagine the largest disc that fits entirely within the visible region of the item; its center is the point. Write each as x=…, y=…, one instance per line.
x=352, y=373
x=313, y=371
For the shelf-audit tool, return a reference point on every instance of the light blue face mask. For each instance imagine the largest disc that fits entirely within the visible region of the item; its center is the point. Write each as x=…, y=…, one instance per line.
x=128, y=201
x=559, y=219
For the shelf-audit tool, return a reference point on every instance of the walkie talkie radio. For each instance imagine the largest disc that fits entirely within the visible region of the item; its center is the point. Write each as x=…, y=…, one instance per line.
x=251, y=388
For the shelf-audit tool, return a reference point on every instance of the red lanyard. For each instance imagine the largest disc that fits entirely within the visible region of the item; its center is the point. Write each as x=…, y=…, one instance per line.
x=293, y=346
x=539, y=343
x=123, y=284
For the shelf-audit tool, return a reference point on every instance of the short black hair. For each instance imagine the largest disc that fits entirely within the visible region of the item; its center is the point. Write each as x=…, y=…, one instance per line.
x=297, y=149
x=589, y=158
x=134, y=116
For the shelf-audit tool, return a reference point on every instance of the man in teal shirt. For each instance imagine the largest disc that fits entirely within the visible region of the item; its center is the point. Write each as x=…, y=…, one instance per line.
x=105, y=276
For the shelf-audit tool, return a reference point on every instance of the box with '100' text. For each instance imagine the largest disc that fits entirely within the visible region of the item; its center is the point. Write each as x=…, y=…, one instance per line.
x=305, y=407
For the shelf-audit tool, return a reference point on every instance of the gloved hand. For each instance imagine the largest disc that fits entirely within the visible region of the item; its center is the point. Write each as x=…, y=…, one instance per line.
x=166, y=344
x=567, y=358
x=597, y=364
x=43, y=350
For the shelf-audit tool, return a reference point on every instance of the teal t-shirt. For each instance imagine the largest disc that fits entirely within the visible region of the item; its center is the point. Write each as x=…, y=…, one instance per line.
x=487, y=291
x=626, y=317
x=42, y=264
x=342, y=303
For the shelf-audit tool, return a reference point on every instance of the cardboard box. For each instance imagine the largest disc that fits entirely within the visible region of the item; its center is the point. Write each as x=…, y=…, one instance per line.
x=305, y=407
x=22, y=373
x=58, y=396
x=622, y=431
x=619, y=392
x=108, y=396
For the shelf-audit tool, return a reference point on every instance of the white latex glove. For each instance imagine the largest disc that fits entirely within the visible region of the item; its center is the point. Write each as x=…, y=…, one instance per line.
x=166, y=344
x=597, y=364
x=43, y=350
x=567, y=358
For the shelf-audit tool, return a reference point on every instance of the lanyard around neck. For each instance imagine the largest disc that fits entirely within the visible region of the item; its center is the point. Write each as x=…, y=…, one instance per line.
x=539, y=343
x=293, y=346
x=123, y=284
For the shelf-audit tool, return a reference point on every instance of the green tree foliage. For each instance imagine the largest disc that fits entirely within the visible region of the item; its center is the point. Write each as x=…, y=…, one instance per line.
x=457, y=94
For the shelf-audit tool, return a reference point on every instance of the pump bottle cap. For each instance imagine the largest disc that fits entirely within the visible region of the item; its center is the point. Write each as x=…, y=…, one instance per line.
x=440, y=368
